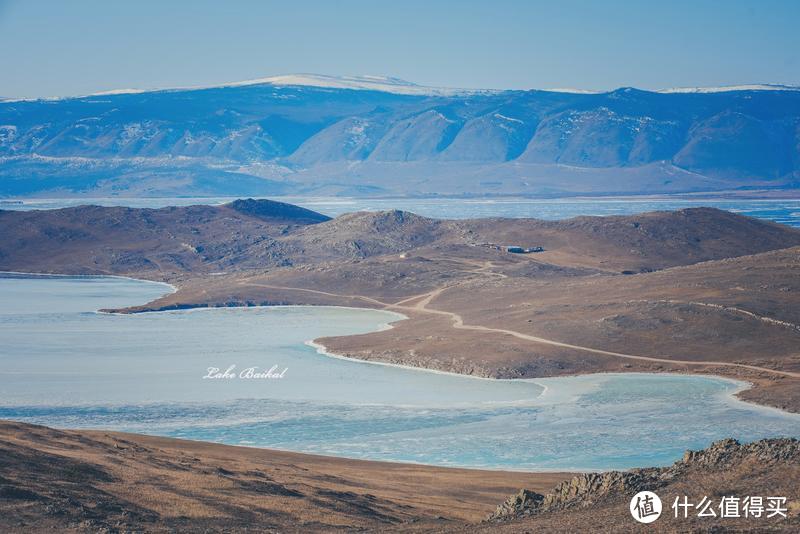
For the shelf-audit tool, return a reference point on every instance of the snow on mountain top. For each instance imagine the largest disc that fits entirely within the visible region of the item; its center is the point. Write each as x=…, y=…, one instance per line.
x=339, y=82
x=120, y=92
x=728, y=88
x=369, y=83
x=575, y=91
x=396, y=86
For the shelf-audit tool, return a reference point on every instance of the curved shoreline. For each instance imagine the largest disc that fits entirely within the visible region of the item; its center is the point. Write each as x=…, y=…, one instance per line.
x=322, y=350
x=565, y=393
x=23, y=275
x=730, y=396
x=742, y=385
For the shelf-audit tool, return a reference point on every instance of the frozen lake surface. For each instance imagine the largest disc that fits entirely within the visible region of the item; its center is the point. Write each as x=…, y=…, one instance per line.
x=785, y=211
x=67, y=366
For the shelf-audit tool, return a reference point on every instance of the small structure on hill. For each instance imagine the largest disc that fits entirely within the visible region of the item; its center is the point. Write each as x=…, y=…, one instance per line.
x=515, y=249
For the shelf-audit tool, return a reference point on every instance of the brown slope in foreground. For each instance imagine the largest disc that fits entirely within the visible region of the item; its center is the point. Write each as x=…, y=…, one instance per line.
x=95, y=481
x=599, y=502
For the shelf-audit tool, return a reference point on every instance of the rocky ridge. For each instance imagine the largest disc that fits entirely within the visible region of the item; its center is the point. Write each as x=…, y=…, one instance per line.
x=591, y=488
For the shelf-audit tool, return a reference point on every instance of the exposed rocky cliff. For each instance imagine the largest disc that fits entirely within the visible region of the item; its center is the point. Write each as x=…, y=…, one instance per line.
x=591, y=488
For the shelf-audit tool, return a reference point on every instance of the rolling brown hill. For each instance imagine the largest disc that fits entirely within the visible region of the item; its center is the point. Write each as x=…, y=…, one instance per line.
x=153, y=242
x=365, y=234
x=249, y=234
x=642, y=242
x=97, y=481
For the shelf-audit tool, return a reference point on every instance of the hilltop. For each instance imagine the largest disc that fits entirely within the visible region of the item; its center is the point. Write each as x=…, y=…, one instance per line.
x=119, y=240
x=262, y=234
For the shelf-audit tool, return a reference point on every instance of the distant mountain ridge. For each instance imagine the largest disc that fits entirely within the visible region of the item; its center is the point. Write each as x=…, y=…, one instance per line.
x=391, y=84
x=310, y=134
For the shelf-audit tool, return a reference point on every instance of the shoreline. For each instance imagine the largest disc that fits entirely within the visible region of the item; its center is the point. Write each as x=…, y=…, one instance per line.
x=729, y=396
x=322, y=350
x=743, y=385
x=255, y=449
x=323, y=456
x=21, y=274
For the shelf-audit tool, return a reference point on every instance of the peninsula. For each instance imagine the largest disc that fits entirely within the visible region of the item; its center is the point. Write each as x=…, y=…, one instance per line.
x=692, y=291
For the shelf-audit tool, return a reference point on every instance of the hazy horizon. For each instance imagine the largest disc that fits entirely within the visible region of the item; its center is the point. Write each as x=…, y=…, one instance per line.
x=480, y=45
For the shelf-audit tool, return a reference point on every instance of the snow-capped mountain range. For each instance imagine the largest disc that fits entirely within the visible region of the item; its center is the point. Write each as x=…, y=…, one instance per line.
x=367, y=83
x=398, y=86
x=379, y=135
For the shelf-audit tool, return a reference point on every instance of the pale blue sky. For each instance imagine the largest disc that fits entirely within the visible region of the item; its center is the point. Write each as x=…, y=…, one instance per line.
x=50, y=48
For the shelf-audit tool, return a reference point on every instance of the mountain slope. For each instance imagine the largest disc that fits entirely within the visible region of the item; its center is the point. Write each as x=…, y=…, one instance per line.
x=117, y=240
x=266, y=132
x=642, y=242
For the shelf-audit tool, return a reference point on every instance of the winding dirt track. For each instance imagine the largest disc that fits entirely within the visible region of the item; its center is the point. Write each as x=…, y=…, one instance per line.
x=458, y=323
x=424, y=300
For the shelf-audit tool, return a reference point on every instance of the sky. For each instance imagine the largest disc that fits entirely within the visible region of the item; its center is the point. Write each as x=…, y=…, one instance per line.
x=58, y=48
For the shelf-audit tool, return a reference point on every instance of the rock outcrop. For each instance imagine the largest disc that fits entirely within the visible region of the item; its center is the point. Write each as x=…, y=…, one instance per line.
x=590, y=488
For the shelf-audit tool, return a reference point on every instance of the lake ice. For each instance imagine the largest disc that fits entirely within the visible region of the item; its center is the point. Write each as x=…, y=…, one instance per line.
x=65, y=365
